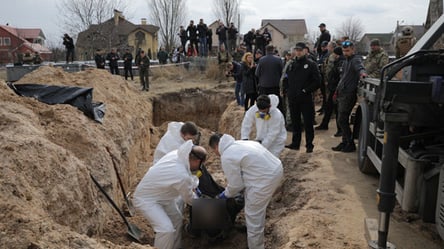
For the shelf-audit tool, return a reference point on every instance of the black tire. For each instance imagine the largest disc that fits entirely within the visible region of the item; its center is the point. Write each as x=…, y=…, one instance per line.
x=363, y=117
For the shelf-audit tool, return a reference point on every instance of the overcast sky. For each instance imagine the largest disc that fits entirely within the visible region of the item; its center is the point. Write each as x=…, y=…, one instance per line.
x=377, y=16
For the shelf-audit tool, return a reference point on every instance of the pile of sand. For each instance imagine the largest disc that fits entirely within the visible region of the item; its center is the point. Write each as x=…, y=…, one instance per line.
x=48, y=151
x=48, y=199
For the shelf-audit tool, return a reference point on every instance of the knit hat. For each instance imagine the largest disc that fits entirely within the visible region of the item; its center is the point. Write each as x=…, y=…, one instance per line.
x=337, y=50
x=375, y=42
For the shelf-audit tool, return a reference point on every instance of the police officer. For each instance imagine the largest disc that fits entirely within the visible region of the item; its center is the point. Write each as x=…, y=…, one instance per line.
x=303, y=79
x=376, y=59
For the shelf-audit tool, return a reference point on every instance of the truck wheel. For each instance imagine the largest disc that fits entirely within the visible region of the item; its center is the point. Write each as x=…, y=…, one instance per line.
x=364, y=163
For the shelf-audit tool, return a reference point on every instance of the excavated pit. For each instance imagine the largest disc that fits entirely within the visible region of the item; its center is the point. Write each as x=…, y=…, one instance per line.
x=204, y=107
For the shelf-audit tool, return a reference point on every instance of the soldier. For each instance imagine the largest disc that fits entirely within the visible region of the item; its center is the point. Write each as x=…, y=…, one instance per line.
x=405, y=42
x=28, y=57
x=144, y=66
x=376, y=59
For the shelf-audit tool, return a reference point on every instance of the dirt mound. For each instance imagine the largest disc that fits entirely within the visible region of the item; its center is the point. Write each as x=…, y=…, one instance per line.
x=48, y=152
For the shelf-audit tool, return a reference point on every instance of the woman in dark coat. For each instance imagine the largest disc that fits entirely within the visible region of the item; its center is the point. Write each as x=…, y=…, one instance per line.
x=249, y=82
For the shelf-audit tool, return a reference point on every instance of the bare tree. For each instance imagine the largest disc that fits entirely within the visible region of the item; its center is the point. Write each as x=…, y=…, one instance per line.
x=227, y=10
x=351, y=28
x=57, y=49
x=168, y=15
x=78, y=15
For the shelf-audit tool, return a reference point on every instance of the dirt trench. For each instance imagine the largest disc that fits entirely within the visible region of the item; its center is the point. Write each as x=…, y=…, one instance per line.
x=212, y=110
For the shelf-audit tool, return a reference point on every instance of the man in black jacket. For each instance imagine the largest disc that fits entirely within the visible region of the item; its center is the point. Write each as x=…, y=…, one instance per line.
x=346, y=91
x=192, y=35
x=268, y=71
x=303, y=79
x=248, y=40
x=113, y=58
x=325, y=36
x=202, y=32
x=99, y=59
x=69, y=45
x=128, y=64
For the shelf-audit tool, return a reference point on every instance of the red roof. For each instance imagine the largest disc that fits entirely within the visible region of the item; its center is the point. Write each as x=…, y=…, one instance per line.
x=24, y=33
x=30, y=33
x=10, y=29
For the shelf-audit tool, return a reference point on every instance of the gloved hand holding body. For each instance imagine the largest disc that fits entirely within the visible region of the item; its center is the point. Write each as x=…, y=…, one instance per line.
x=198, y=192
x=222, y=196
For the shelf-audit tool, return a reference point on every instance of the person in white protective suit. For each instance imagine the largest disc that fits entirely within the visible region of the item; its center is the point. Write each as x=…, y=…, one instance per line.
x=249, y=167
x=270, y=124
x=156, y=194
x=177, y=134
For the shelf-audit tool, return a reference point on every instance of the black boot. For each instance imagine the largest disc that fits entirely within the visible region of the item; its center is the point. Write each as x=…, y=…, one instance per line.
x=339, y=147
x=338, y=134
x=309, y=148
x=292, y=146
x=322, y=127
x=349, y=147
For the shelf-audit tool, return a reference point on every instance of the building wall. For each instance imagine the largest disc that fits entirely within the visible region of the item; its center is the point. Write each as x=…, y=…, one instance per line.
x=8, y=54
x=148, y=44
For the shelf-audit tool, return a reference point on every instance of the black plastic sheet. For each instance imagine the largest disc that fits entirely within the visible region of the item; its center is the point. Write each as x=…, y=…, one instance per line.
x=75, y=96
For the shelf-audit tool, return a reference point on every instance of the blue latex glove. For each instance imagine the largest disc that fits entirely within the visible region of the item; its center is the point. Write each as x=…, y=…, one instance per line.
x=221, y=196
x=198, y=192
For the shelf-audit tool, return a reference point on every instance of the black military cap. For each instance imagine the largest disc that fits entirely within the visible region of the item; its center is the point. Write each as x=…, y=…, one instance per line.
x=300, y=45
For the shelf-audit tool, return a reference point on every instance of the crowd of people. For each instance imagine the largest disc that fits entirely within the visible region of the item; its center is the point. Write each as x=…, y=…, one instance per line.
x=332, y=68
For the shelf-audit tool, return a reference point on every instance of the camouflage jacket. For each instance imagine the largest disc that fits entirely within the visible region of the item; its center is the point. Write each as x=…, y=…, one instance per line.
x=374, y=63
x=404, y=44
x=329, y=64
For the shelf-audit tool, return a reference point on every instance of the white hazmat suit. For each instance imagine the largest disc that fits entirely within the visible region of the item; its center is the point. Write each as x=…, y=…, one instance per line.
x=249, y=166
x=271, y=132
x=156, y=195
x=169, y=142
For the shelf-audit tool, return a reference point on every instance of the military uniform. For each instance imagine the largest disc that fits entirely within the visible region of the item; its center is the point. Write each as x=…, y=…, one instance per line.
x=404, y=44
x=374, y=63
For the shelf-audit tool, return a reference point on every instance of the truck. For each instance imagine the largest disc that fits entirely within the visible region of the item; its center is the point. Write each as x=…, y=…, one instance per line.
x=399, y=124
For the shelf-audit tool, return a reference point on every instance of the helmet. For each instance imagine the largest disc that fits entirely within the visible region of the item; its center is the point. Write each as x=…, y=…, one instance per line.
x=407, y=30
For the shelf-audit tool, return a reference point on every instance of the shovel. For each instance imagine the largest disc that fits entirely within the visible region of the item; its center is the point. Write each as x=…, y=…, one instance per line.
x=133, y=230
x=129, y=205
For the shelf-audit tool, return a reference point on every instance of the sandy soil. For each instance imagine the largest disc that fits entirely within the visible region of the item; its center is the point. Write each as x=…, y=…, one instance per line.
x=49, y=201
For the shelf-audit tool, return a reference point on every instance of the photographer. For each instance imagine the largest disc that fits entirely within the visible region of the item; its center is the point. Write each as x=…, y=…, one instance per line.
x=69, y=45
